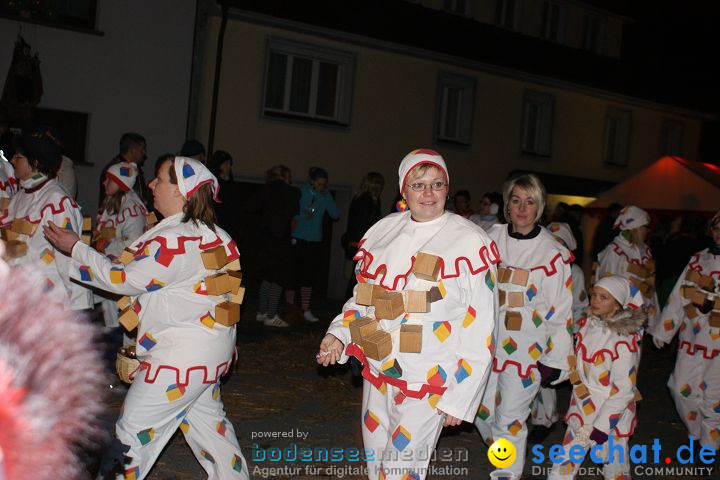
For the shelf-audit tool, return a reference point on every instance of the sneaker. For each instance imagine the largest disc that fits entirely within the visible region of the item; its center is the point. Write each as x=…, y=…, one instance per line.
x=276, y=321
x=261, y=317
x=308, y=315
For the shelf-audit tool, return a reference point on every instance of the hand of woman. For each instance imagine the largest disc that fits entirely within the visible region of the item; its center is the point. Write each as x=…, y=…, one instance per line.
x=330, y=350
x=62, y=239
x=449, y=421
x=659, y=344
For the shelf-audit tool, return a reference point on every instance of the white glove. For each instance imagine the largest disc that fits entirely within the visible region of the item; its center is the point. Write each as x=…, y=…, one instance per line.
x=659, y=343
x=564, y=376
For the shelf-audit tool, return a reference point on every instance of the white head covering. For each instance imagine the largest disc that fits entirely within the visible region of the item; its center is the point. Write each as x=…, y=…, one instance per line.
x=713, y=221
x=7, y=176
x=564, y=233
x=191, y=175
x=624, y=291
x=417, y=157
x=631, y=217
x=124, y=174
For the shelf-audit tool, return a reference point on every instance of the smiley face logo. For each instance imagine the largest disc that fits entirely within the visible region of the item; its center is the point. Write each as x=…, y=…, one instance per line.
x=502, y=453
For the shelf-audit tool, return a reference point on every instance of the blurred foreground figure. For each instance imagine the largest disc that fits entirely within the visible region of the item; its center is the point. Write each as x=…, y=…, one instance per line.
x=50, y=382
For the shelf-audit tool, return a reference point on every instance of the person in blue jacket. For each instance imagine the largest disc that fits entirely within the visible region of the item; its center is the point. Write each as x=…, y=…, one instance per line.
x=315, y=201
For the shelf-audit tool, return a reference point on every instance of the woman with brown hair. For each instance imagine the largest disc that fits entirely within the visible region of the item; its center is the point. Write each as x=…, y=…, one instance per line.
x=182, y=349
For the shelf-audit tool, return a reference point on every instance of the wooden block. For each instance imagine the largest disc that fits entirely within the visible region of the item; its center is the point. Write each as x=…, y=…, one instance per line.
x=87, y=223
x=416, y=301
x=581, y=391
x=123, y=302
x=86, y=238
x=235, y=279
x=217, y=284
x=435, y=294
x=692, y=276
x=645, y=289
x=638, y=270
x=575, y=377
x=107, y=233
x=515, y=299
x=572, y=362
x=4, y=203
x=361, y=328
x=410, y=338
x=377, y=345
x=501, y=297
x=714, y=319
x=227, y=313
x=128, y=318
x=234, y=265
x=697, y=297
x=638, y=397
x=690, y=311
x=214, y=258
x=716, y=304
x=151, y=219
x=391, y=368
x=389, y=305
x=650, y=280
x=513, y=321
x=22, y=226
x=127, y=256
x=15, y=249
x=426, y=267
x=706, y=282
x=8, y=234
x=520, y=277
x=504, y=275
x=238, y=296
x=365, y=292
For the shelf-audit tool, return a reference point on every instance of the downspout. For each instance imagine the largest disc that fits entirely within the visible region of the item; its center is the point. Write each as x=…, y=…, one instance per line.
x=216, y=81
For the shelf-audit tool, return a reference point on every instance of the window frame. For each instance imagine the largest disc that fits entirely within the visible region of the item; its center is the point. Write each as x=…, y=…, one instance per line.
x=346, y=62
x=452, y=8
x=501, y=14
x=668, y=125
x=599, y=41
x=610, y=155
x=465, y=114
x=545, y=33
x=542, y=146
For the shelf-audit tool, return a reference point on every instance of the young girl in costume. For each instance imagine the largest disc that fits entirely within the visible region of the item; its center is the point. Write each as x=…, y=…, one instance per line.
x=411, y=393
x=602, y=405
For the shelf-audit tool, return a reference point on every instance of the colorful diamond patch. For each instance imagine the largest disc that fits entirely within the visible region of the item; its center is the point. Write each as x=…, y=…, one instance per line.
x=514, y=428
x=147, y=341
x=550, y=313
x=509, y=345
x=221, y=427
x=392, y=368
x=490, y=280
x=469, y=317
x=686, y=391
x=237, y=463
x=349, y=316
x=154, y=285
x=442, y=330
x=117, y=275
x=668, y=325
x=132, y=473
x=401, y=438
x=187, y=170
x=463, y=371
x=483, y=412
x=146, y=436
x=436, y=376
x=184, y=426
x=208, y=320
x=535, y=351
x=531, y=292
x=433, y=399
x=536, y=318
x=86, y=274
x=174, y=392
x=47, y=256
x=588, y=407
x=371, y=421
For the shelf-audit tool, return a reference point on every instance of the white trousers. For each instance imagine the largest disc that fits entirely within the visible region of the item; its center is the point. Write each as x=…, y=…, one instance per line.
x=544, y=408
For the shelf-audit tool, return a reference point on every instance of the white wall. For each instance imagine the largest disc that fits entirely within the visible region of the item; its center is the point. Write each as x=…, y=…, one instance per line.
x=134, y=78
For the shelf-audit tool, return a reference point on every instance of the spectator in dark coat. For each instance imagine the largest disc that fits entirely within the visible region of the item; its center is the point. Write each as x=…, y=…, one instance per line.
x=226, y=211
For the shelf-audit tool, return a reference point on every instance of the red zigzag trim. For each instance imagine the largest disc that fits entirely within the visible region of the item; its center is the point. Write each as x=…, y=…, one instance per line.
x=166, y=255
x=613, y=353
x=220, y=371
x=134, y=211
x=694, y=265
x=618, y=433
x=515, y=364
x=645, y=258
x=693, y=349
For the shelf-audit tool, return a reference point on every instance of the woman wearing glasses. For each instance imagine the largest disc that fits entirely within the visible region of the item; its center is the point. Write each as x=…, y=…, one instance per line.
x=535, y=300
x=425, y=362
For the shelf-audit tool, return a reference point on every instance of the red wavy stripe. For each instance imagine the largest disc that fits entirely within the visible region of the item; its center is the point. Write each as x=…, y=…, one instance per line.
x=691, y=349
x=220, y=371
x=134, y=211
x=617, y=433
x=488, y=257
x=180, y=250
x=514, y=364
x=645, y=258
x=694, y=265
x=613, y=353
x=377, y=381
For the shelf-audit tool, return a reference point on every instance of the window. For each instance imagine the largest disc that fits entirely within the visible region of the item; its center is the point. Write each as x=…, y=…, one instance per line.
x=594, y=33
x=537, y=123
x=453, y=117
x=456, y=6
x=75, y=14
x=506, y=13
x=553, y=22
x=307, y=82
x=618, y=124
x=672, y=137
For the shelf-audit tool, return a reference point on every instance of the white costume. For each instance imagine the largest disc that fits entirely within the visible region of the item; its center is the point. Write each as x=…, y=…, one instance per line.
x=607, y=353
x=622, y=258
x=128, y=222
x=695, y=382
x=8, y=183
x=39, y=201
x=183, y=352
x=544, y=408
x=543, y=303
x=403, y=392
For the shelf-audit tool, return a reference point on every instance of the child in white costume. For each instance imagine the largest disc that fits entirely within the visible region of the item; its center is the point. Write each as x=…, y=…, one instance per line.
x=629, y=256
x=533, y=339
x=183, y=352
x=39, y=201
x=409, y=397
x=124, y=212
x=693, y=309
x=544, y=409
x=603, y=400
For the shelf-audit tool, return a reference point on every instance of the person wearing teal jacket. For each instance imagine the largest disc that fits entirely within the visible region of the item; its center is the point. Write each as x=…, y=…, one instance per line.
x=315, y=201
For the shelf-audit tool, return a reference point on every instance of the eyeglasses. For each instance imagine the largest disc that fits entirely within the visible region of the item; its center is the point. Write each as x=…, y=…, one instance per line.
x=420, y=187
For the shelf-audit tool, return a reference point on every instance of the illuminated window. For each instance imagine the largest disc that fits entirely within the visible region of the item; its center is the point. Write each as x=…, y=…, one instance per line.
x=618, y=125
x=537, y=123
x=672, y=137
x=454, y=111
x=507, y=13
x=307, y=82
x=553, y=22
